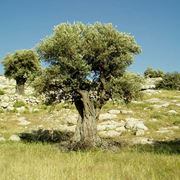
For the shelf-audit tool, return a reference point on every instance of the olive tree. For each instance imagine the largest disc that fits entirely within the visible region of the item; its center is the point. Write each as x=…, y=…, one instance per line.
x=83, y=62
x=21, y=66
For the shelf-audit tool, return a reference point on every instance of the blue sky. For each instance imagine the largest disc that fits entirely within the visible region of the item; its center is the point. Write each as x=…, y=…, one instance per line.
x=154, y=23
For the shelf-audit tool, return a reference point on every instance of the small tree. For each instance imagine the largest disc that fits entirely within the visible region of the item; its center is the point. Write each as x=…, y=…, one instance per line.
x=83, y=62
x=21, y=66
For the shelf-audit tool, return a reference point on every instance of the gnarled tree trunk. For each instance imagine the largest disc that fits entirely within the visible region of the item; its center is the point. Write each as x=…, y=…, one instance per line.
x=20, y=82
x=86, y=131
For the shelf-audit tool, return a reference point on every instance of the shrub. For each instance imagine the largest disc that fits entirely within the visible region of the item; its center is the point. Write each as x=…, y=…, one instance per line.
x=2, y=92
x=170, y=81
x=19, y=104
x=152, y=73
x=128, y=87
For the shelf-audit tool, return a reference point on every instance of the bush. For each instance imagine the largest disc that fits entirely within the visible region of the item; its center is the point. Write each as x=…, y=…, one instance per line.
x=151, y=73
x=170, y=81
x=19, y=104
x=2, y=92
x=128, y=88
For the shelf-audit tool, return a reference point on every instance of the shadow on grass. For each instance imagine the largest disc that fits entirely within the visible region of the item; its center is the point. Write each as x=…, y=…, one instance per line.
x=167, y=147
x=48, y=136
x=55, y=136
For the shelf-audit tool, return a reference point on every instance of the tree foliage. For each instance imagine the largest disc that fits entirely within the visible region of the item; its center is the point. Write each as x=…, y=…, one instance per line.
x=85, y=57
x=21, y=66
x=170, y=81
x=128, y=87
x=22, y=63
x=152, y=73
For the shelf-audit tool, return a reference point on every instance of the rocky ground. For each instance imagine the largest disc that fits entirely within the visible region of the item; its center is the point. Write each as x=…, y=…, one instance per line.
x=156, y=117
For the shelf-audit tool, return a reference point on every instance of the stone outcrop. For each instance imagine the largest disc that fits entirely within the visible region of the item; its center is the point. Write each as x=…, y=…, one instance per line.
x=9, y=99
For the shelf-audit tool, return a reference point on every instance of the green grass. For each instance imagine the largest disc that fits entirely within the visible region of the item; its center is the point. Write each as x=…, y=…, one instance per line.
x=20, y=161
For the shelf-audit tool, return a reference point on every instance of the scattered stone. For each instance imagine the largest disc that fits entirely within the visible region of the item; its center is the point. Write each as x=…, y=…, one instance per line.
x=71, y=119
x=23, y=121
x=151, y=91
x=177, y=104
x=164, y=130
x=174, y=101
x=150, y=83
x=4, y=105
x=109, y=134
x=157, y=106
x=126, y=112
x=121, y=129
x=21, y=109
x=107, y=116
x=114, y=111
x=109, y=125
x=10, y=108
x=135, y=124
x=153, y=120
x=172, y=112
x=139, y=132
x=136, y=102
x=14, y=138
x=142, y=140
x=65, y=128
x=2, y=139
x=35, y=110
x=174, y=127
x=153, y=100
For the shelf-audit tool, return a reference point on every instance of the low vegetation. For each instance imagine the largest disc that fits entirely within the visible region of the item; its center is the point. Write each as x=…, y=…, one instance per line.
x=153, y=73
x=170, y=81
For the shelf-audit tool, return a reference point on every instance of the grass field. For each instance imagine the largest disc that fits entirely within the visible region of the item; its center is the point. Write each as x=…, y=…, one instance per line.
x=37, y=161
x=19, y=161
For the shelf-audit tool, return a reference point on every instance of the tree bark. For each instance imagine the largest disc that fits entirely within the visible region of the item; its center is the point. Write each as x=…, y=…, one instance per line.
x=20, y=86
x=86, y=130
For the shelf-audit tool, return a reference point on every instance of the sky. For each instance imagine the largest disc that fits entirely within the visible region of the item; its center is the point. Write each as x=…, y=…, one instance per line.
x=155, y=24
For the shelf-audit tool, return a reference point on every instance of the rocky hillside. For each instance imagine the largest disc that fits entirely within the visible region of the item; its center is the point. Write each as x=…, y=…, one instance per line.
x=10, y=101
x=156, y=117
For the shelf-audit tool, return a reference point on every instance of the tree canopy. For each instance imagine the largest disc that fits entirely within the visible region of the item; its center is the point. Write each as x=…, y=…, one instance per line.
x=21, y=66
x=85, y=57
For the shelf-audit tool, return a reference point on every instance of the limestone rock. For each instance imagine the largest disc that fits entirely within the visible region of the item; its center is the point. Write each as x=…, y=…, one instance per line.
x=126, y=112
x=14, y=138
x=139, y=132
x=135, y=124
x=65, y=128
x=164, y=130
x=172, y=112
x=107, y=116
x=23, y=121
x=121, y=129
x=4, y=105
x=109, y=125
x=114, y=111
x=153, y=100
x=109, y=134
x=21, y=109
x=71, y=119
x=2, y=139
x=142, y=140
